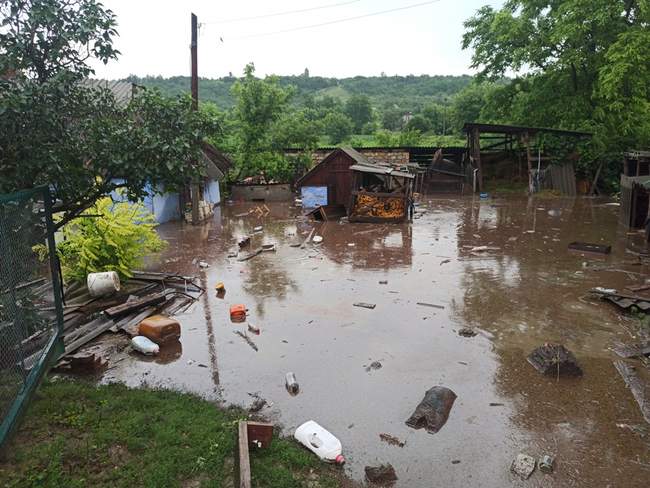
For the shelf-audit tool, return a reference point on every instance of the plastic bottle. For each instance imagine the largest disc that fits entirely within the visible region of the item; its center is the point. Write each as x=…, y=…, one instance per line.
x=144, y=345
x=291, y=383
x=320, y=442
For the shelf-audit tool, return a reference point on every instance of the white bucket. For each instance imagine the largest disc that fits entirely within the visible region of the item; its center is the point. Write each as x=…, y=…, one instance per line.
x=100, y=284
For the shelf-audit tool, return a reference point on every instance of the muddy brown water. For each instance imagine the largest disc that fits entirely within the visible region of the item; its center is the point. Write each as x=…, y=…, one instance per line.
x=528, y=291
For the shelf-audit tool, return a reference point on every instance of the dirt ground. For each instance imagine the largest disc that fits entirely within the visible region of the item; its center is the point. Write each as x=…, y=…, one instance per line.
x=524, y=290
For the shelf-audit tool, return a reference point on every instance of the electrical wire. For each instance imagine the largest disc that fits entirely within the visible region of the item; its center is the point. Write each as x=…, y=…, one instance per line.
x=277, y=14
x=337, y=21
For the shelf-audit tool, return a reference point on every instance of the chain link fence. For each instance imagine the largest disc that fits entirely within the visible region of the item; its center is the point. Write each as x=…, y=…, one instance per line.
x=31, y=313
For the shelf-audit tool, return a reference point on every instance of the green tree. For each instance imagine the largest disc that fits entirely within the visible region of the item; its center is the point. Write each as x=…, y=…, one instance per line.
x=577, y=64
x=359, y=109
x=337, y=126
x=79, y=141
x=419, y=122
x=259, y=106
x=391, y=118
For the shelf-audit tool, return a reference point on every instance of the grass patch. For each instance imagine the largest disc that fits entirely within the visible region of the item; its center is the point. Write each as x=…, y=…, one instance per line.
x=76, y=434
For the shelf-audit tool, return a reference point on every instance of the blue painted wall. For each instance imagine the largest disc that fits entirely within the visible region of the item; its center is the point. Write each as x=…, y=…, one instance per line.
x=313, y=196
x=165, y=207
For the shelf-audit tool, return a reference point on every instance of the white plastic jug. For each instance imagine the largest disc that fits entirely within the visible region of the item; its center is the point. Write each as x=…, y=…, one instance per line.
x=145, y=345
x=320, y=442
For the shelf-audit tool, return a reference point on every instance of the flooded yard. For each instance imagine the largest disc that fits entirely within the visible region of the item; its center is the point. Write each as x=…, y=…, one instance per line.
x=498, y=265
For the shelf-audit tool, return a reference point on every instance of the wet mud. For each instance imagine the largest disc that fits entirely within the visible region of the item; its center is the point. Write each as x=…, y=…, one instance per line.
x=500, y=267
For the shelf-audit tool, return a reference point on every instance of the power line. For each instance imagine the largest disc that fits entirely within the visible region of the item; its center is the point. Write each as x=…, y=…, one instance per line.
x=277, y=14
x=347, y=19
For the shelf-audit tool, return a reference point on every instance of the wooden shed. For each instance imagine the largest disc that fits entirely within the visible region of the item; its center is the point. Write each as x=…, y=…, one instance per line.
x=330, y=181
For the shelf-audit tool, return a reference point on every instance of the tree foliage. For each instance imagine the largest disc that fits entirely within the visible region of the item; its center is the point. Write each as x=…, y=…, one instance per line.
x=578, y=65
x=359, y=109
x=56, y=130
x=113, y=237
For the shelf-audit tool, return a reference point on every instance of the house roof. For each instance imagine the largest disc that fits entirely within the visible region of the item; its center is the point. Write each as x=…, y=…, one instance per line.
x=519, y=129
x=348, y=151
x=123, y=91
x=217, y=163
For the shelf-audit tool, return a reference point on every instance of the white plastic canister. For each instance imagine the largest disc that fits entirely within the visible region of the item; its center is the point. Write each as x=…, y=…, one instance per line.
x=101, y=284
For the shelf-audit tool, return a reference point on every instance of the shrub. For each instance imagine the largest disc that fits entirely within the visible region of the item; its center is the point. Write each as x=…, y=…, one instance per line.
x=108, y=237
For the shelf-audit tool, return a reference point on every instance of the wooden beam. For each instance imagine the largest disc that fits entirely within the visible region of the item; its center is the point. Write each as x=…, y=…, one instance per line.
x=529, y=158
x=476, y=154
x=244, y=458
x=133, y=305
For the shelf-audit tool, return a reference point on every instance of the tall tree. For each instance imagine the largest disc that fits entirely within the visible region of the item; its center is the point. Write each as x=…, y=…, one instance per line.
x=82, y=143
x=359, y=109
x=577, y=64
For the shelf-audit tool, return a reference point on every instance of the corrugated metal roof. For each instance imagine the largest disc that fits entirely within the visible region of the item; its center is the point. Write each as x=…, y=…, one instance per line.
x=382, y=170
x=123, y=91
x=519, y=129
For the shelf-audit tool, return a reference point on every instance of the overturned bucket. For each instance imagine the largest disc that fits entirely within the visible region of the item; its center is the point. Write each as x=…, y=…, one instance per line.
x=101, y=284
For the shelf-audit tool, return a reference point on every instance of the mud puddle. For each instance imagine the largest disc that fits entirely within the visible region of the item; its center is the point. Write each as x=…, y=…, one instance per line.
x=500, y=267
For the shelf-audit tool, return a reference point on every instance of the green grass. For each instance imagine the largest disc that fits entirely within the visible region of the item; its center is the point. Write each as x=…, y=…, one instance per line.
x=76, y=434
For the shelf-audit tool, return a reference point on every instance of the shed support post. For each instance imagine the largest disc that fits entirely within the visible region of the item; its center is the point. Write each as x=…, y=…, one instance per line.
x=475, y=151
x=529, y=157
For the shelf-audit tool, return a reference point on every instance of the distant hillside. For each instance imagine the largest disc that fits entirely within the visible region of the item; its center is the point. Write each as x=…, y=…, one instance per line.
x=404, y=92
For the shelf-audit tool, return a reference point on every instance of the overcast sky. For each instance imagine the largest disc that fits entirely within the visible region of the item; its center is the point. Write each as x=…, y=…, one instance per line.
x=155, y=36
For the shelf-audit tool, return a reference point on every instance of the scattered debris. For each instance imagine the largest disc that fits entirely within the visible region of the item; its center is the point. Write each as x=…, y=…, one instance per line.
x=268, y=247
x=546, y=464
x=309, y=236
x=319, y=441
x=381, y=474
x=523, y=466
x=233, y=254
x=445, y=261
x=623, y=300
x=220, y=287
x=258, y=403
x=203, y=264
x=383, y=282
x=238, y=313
x=103, y=284
x=586, y=247
x=247, y=339
x=636, y=386
x=495, y=404
x=244, y=241
x=137, y=304
x=365, y=305
x=255, y=434
x=160, y=329
x=633, y=350
x=328, y=212
x=145, y=345
x=467, y=332
x=258, y=228
x=373, y=366
x=254, y=329
x=484, y=248
x=291, y=383
x=250, y=255
x=392, y=440
x=433, y=411
x=433, y=305
x=554, y=360
x=455, y=461
x=317, y=239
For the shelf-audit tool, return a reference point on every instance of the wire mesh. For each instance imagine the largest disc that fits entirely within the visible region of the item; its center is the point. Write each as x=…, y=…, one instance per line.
x=30, y=298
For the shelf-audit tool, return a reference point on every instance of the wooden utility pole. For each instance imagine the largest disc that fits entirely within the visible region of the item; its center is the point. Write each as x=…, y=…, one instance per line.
x=195, y=106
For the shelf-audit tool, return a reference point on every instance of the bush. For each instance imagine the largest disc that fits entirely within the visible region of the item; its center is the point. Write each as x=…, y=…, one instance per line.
x=109, y=237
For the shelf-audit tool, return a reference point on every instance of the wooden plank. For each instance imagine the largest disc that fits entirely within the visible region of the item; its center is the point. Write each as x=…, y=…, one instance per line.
x=244, y=458
x=73, y=346
x=589, y=247
x=632, y=350
x=636, y=386
x=134, y=305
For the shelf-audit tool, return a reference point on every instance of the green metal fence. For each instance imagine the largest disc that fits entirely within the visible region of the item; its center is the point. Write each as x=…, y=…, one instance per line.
x=31, y=305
